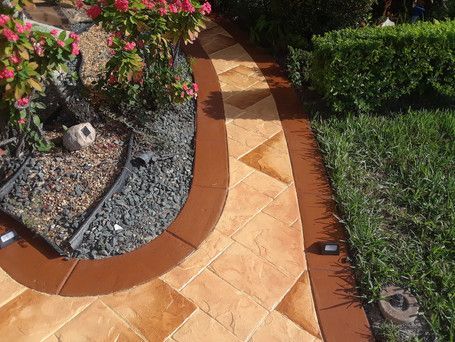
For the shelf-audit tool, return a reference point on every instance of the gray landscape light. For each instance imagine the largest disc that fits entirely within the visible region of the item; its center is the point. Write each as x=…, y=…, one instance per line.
x=330, y=248
x=7, y=238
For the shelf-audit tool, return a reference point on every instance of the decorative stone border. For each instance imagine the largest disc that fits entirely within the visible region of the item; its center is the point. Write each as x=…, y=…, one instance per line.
x=31, y=262
x=340, y=312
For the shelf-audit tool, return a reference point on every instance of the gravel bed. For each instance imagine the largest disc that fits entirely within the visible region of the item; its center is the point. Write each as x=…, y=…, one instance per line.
x=155, y=192
x=96, y=54
x=153, y=195
x=8, y=166
x=55, y=190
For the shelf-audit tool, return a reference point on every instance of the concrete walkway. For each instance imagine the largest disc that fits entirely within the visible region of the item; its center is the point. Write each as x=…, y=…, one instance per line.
x=247, y=282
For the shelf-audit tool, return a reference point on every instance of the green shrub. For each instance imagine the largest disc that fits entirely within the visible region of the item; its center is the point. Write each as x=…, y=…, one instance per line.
x=441, y=9
x=298, y=65
x=280, y=23
x=363, y=69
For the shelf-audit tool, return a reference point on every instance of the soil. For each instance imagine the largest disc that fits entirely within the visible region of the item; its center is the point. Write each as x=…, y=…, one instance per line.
x=96, y=54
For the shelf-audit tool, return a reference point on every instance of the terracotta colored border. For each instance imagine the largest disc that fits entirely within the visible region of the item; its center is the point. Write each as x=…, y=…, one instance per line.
x=340, y=313
x=34, y=264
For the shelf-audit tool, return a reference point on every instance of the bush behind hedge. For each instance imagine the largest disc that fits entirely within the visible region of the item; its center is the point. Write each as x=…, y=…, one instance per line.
x=279, y=23
x=363, y=69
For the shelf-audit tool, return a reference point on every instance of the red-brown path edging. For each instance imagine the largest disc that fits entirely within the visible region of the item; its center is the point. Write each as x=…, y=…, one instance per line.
x=31, y=262
x=340, y=312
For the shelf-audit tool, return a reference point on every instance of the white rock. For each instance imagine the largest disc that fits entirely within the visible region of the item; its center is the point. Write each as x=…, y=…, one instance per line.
x=387, y=23
x=79, y=136
x=117, y=227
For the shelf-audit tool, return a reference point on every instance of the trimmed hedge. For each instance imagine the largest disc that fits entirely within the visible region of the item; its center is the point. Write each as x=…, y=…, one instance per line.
x=364, y=69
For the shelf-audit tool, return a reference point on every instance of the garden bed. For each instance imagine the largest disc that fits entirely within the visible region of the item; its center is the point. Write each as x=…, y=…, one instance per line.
x=58, y=191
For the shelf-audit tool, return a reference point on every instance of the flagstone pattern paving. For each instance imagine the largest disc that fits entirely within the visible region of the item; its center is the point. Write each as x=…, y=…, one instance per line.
x=248, y=281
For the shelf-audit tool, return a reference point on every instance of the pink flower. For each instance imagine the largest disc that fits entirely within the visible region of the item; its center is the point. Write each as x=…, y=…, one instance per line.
x=206, y=8
x=28, y=26
x=110, y=41
x=187, y=6
x=129, y=46
x=173, y=8
x=23, y=102
x=61, y=43
x=182, y=94
x=75, y=49
x=6, y=74
x=75, y=37
x=94, y=11
x=195, y=87
x=54, y=32
x=10, y=35
x=148, y=3
x=22, y=121
x=162, y=11
x=79, y=4
x=121, y=5
x=185, y=87
x=20, y=28
x=4, y=19
x=14, y=59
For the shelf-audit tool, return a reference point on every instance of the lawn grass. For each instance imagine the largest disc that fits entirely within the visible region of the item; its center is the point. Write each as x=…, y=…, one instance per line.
x=394, y=179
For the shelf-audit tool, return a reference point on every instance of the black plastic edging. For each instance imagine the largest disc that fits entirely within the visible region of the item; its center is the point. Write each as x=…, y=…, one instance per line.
x=76, y=239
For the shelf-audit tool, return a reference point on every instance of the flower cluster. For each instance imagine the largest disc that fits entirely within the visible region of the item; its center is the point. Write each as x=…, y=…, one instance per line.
x=189, y=90
x=162, y=7
x=27, y=58
x=143, y=36
x=6, y=74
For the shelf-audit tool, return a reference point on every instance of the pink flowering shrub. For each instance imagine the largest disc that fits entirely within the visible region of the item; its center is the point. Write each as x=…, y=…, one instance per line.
x=26, y=60
x=145, y=37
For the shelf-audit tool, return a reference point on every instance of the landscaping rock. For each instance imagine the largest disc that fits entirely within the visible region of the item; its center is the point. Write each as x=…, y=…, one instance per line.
x=79, y=136
x=398, y=305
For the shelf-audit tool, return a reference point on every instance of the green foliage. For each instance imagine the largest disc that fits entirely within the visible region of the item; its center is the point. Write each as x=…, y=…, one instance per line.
x=145, y=35
x=298, y=64
x=395, y=185
x=27, y=58
x=442, y=9
x=364, y=69
x=279, y=23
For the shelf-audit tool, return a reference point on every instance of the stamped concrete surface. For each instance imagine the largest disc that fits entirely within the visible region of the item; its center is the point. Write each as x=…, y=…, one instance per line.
x=247, y=281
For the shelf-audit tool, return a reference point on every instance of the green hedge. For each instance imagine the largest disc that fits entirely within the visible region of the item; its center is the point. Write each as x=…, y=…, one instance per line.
x=364, y=69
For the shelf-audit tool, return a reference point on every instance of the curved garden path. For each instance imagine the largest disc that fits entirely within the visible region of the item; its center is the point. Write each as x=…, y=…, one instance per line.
x=249, y=278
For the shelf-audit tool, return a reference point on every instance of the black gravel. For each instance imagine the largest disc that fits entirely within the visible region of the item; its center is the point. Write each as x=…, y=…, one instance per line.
x=9, y=165
x=153, y=195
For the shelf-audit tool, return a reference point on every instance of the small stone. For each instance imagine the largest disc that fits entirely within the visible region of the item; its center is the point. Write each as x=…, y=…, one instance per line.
x=79, y=136
x=78, y=190
x=117, y=227
x=398, y=305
